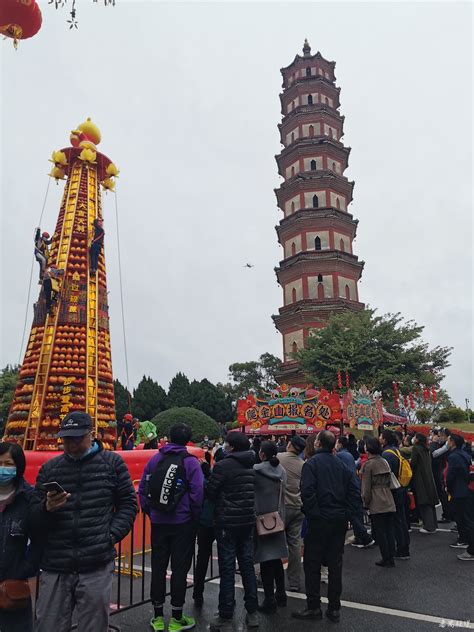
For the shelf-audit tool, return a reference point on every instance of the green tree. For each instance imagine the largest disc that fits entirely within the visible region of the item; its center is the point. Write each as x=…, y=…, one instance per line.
x=255, y=376
x=211, y=400
x=122, y=399
x=376, y=350
x=8, y=380
x=452, y=415
x=179, y=392
x=149, y=399
x=200, y=423
x=423, y=415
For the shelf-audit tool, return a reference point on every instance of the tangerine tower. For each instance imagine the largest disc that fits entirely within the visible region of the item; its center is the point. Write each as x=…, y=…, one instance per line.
x=67, y=364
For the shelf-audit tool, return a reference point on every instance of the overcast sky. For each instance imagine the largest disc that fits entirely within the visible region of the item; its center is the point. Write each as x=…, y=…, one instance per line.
x=186, y=97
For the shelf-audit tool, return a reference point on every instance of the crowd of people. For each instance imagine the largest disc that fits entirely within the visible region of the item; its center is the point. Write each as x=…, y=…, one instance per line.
x=264, y=502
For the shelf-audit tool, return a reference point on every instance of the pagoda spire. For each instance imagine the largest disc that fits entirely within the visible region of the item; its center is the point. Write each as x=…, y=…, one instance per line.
x=67, y=364
x=306, y=48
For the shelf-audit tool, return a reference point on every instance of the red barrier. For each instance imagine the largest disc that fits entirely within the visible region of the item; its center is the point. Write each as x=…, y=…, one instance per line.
x=134, y=459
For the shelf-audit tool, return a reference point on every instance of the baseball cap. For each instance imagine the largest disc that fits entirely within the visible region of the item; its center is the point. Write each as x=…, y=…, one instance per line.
x=298, y=443
x=75, y=424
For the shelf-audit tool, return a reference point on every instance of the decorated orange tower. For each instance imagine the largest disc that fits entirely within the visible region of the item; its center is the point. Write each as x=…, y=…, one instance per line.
x=67, y=364
x=319, y=272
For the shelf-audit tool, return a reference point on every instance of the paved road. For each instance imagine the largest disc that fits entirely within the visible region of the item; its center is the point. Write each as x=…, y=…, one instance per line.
x=431, y=591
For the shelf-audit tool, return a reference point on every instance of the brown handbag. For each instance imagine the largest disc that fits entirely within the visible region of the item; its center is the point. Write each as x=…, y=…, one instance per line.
x=270, y=523
x=14, y=594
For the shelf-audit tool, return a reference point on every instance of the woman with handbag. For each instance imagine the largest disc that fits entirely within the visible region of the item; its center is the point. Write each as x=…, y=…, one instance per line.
x=378, y=499
x=270, y=538
x=18, y=560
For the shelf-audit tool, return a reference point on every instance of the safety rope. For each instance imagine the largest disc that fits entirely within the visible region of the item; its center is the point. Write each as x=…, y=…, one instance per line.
x=121, y=292
x=31, y=276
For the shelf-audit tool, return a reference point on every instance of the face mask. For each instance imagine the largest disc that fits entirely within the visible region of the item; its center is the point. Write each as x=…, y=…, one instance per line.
x=7, y=474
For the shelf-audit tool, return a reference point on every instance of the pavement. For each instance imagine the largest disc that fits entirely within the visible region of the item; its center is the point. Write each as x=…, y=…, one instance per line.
x=433, y=590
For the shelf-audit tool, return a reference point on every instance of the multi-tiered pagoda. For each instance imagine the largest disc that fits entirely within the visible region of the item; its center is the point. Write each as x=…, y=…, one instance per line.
x=319, y=272
x=67, y=364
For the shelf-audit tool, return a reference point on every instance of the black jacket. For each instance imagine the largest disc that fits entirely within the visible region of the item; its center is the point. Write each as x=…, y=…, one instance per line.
x=457, y=477
x=328, y=488
x=80, y=536
x=19, y=559
x=232, y=488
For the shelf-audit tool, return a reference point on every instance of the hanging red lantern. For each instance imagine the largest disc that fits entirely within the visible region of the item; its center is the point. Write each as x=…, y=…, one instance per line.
x=19, y=19
x=426, y=394
x=412, y=402
x=405, y=401
x=339, y=379
x=348, y=383
x=434, y=394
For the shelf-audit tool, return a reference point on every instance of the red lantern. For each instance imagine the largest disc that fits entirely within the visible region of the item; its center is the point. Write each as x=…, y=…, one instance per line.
x=412, y=403
x=348, y=383
x=426, y=394
x=19, y=19
x=434, y=394
x=405, y=401
x=339, y=379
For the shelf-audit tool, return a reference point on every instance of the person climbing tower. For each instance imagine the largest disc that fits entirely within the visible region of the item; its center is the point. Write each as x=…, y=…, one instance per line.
x=42, y=241
x=96, y=244
x=51, y=286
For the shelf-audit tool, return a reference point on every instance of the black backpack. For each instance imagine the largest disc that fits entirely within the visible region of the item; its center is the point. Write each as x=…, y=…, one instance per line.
x=167, y=484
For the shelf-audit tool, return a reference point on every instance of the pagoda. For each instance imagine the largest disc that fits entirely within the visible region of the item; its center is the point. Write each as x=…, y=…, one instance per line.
x=319, y=271
x=67, y=364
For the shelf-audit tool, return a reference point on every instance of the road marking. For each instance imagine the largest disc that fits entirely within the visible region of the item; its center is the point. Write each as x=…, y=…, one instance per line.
x=441, y=621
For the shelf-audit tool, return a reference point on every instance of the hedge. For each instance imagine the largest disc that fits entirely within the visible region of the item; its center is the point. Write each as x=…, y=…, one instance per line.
x=200, y=423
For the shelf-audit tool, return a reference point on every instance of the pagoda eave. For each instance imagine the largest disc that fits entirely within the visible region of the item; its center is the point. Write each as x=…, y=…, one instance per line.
x=314, y=108
x=313, y=312
x=325, y=261
x=305, y=143
x=307, y=221
x=306, y=58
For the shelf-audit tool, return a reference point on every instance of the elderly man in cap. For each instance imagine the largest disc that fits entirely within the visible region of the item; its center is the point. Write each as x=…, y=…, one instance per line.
x=90, y=507
x=292, y=462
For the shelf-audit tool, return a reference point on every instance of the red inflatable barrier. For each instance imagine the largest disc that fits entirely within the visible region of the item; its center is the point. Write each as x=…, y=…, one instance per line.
x=134, y=459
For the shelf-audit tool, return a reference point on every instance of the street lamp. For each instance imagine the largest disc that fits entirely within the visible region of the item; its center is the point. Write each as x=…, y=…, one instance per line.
x=467, y=411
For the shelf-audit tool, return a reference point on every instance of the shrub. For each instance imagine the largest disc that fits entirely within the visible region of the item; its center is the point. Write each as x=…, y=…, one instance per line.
x=200, y=423
x=423, y=415
x=451, y=415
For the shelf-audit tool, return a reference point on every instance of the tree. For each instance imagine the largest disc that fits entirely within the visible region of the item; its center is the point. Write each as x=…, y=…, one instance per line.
x=255, y=376
x=423, y=415
x=452, y=415
x=211, y=400
x=375, y=350
x=8, y=380
x=122, y=399
x=149, y=399
x=179, y=392
x=200, y=423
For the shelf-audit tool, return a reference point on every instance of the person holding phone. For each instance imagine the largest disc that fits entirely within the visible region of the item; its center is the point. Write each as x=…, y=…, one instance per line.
x=19, y=559
x=84, y=503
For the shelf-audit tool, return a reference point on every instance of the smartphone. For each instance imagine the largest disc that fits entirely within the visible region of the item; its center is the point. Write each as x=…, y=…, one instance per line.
x=54, y=486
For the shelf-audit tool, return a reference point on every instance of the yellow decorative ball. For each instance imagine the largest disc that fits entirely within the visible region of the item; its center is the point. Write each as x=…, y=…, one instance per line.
x=90, y=130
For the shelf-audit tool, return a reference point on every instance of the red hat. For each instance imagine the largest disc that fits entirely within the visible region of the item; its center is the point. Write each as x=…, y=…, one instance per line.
x=128, y=417
x=45, y=234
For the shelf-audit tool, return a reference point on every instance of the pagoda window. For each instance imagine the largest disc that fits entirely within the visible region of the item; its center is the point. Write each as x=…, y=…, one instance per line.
x=338, y=204
x=317, y=245
x=292, y=171
x=292, y=207
x=292, y=137
x=341, y=245
x=320, y=278
x=293, y=295
x=320, y=290
x=348, y=292
x=293, y=249
x=310, y=99
x=323, y=99
x=311, y=131
x=315, y=201
x=308, y=72
x=334, y=166
x=294, y=347
x=313, y=165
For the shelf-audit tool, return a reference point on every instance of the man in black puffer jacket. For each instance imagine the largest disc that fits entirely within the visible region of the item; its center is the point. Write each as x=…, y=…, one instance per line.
x=80, y=528
x=231, y=488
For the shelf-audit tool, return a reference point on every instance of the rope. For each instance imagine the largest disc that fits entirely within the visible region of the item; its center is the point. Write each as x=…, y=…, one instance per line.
x=121, y=291
x=31, y=276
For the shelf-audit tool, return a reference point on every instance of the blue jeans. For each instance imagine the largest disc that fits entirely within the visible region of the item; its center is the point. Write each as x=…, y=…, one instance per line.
x=238, y=544
x=402, y=537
